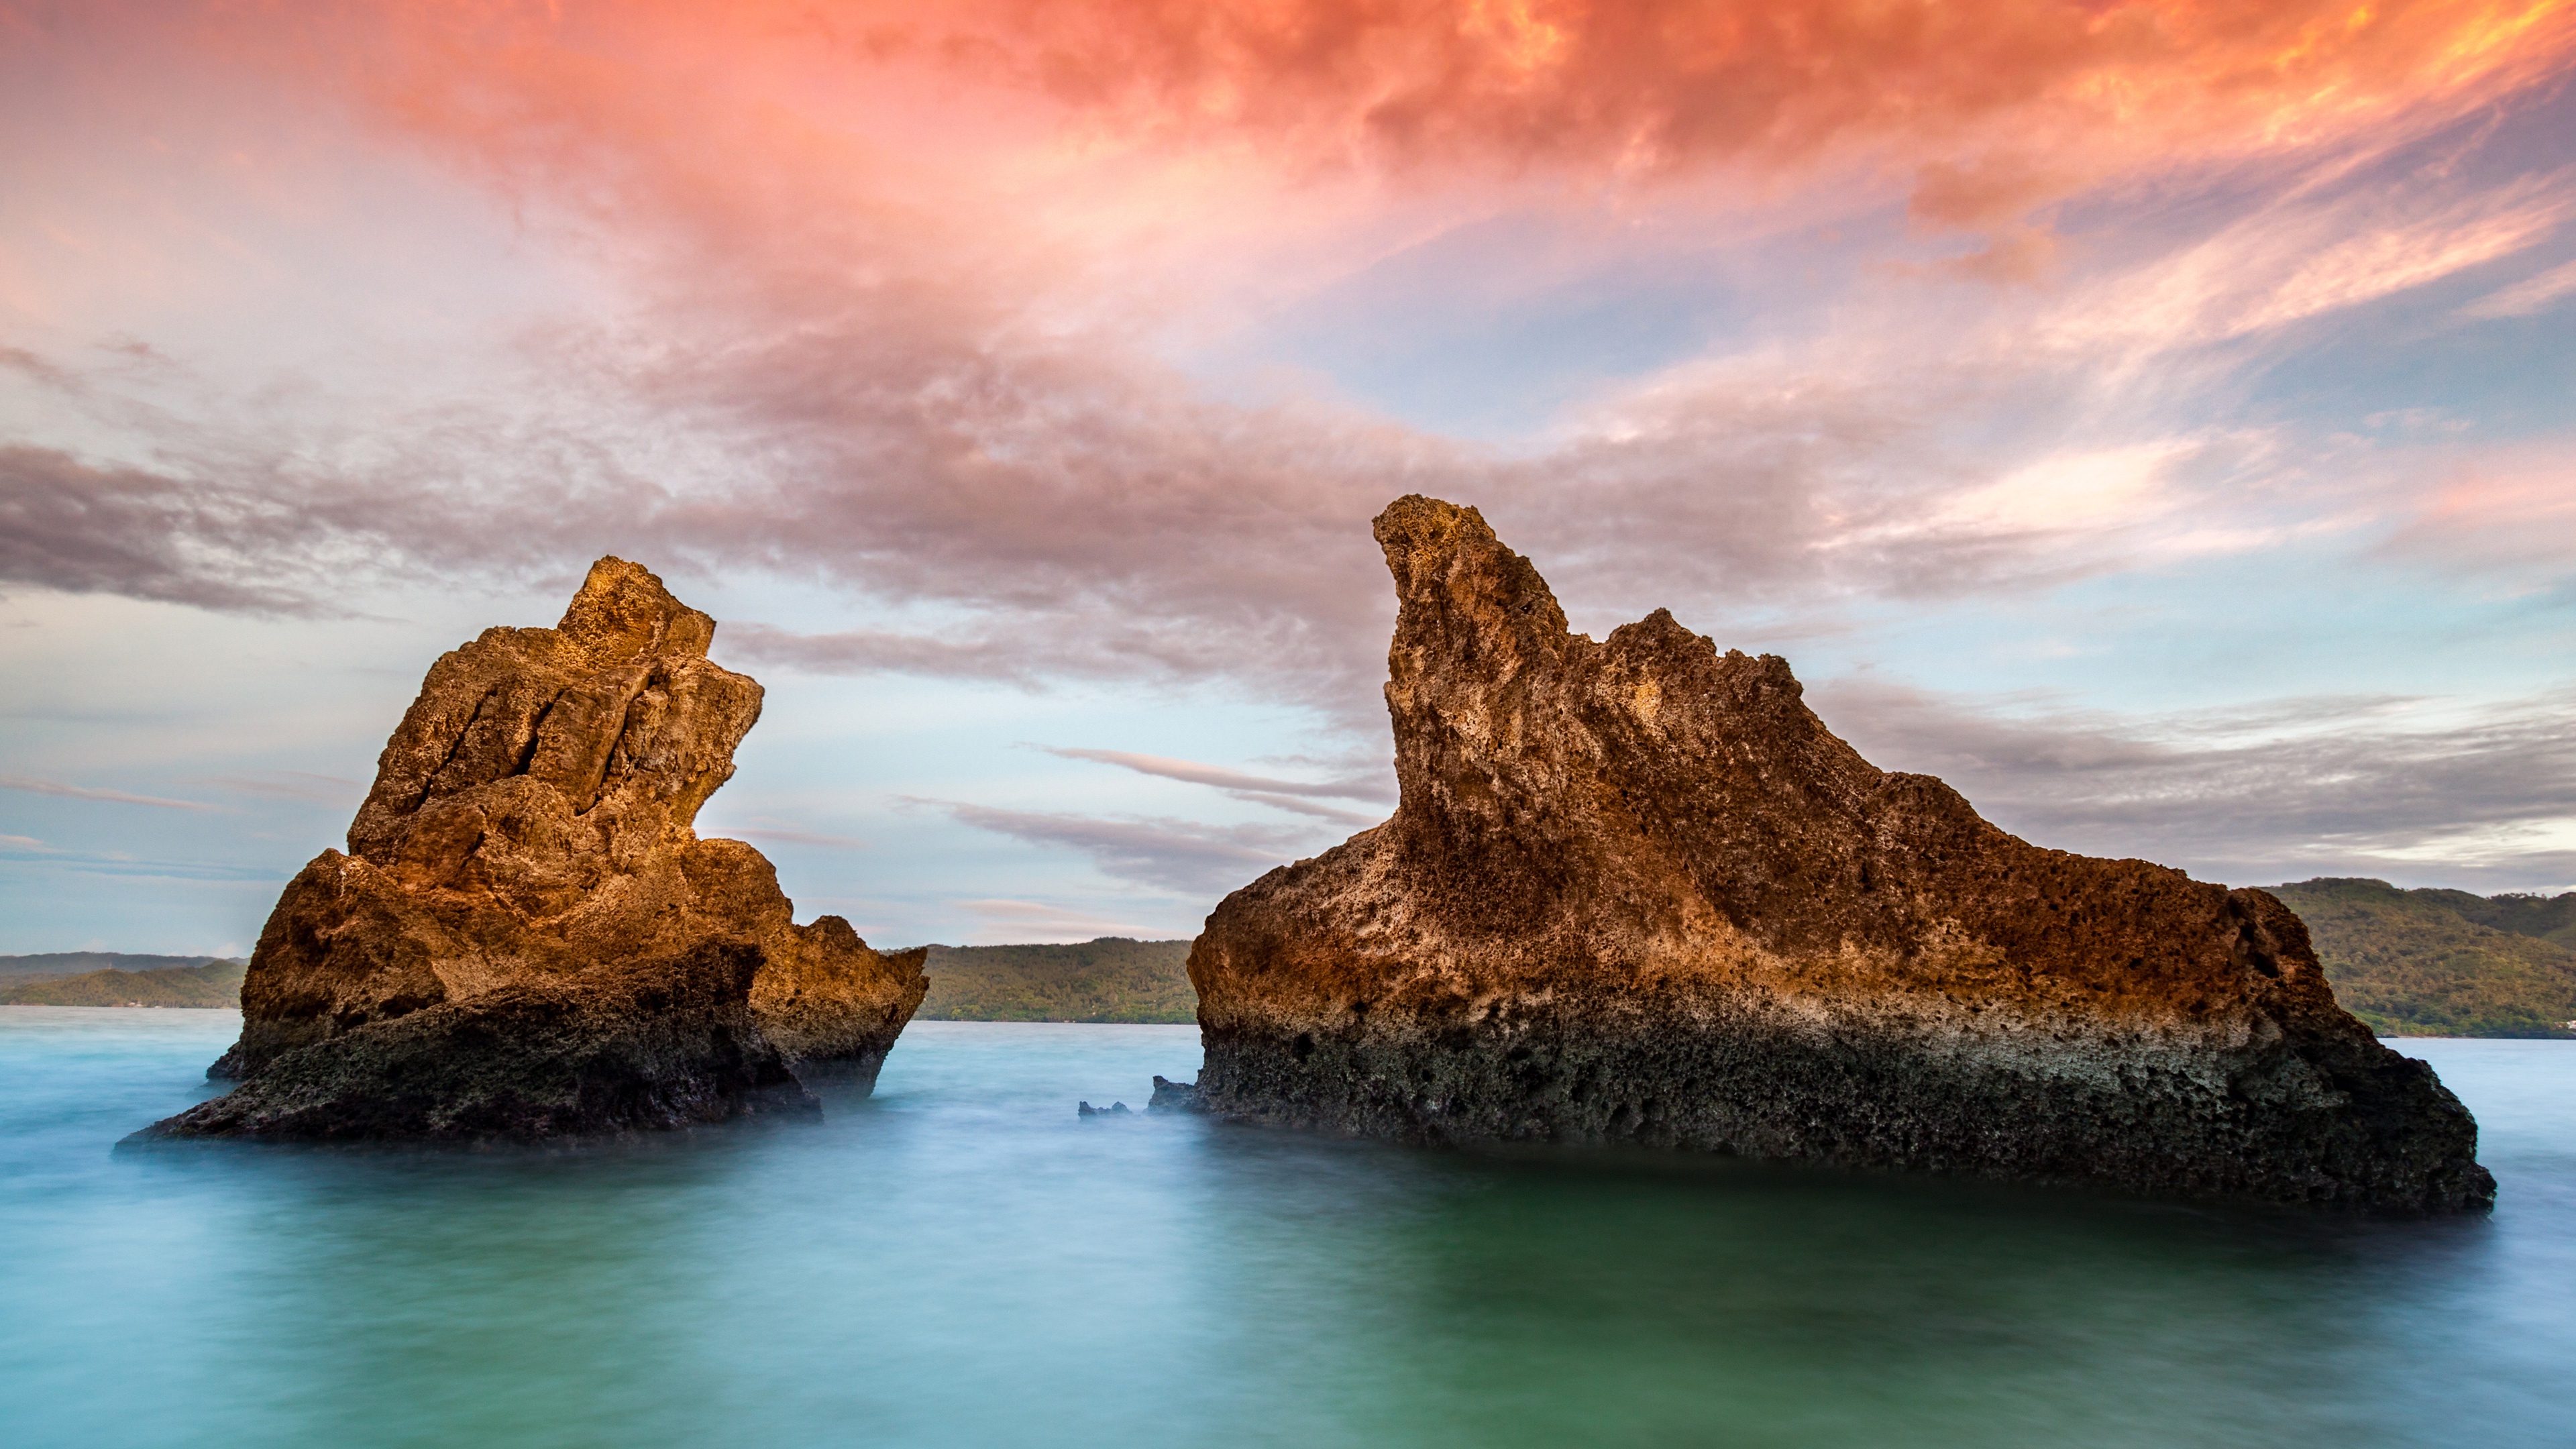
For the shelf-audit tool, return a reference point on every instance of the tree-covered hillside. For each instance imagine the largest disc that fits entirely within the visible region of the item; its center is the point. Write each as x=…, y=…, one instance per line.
x=1110, y=979
x=55, y=965
x=2443, y=963
x=217, y=983
x=2551, y=918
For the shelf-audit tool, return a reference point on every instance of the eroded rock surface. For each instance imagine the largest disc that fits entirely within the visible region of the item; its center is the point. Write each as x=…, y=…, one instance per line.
x=1635, y=889
x=527, y=937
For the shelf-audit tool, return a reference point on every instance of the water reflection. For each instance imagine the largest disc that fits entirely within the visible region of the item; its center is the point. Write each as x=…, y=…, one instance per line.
x=958, y=1260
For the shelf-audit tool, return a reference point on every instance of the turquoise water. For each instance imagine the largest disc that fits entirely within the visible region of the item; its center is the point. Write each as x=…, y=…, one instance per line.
x=960, y=1261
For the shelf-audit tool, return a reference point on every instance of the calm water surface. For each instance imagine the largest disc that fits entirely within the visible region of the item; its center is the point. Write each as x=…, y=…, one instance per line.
x=960, y=1261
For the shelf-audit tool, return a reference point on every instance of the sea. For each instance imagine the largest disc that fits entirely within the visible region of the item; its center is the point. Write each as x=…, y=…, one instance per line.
x=963, y=1259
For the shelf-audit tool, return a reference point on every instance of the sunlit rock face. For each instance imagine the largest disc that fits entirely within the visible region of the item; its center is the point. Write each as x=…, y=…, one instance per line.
x=1636, y=890
x=526, y=936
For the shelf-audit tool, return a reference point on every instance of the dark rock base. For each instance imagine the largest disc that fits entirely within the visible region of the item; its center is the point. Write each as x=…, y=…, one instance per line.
x=855, y=1073
x=2346, y=1124
x=263, y=1041
x=643, y=1047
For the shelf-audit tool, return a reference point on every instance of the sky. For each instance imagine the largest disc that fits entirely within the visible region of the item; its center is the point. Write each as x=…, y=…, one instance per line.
x=2156, y=419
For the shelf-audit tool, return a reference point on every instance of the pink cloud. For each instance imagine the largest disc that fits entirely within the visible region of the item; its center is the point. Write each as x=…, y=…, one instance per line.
x=2529, y=296
x=2506, y=516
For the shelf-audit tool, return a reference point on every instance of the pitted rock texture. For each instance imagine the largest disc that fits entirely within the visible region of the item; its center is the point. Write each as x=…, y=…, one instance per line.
x=1636, y=890
x=633, y=1046
x=831, y=1004
x=527, y=855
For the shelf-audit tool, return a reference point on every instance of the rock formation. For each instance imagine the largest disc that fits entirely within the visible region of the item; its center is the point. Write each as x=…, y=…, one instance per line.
x=526, y=936
x=1636, y=890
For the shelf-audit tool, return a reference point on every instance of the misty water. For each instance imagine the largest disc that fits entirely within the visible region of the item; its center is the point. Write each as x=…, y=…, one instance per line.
x=961, y=1261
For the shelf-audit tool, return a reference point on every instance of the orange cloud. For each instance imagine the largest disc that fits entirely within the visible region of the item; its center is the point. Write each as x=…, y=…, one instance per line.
x=1611, y=87
x=1658, y=85
x=1214, y=126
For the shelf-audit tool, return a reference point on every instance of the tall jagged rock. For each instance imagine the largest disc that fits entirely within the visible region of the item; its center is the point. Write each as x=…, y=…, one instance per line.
x=1635, y=889
x=527, y=937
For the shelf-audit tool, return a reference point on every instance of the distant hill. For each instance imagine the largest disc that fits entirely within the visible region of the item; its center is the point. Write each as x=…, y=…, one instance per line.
x=55, y=964
x=1110, y=979
x=2408, y=963
x=2551, y=918
x=2444, y=963
x=216, y=983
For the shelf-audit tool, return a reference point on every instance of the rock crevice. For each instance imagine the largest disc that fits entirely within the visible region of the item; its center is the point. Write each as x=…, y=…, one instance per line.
x=1635, y=889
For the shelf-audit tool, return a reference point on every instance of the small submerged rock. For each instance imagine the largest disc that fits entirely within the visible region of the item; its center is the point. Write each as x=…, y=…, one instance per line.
x=1171, y=1096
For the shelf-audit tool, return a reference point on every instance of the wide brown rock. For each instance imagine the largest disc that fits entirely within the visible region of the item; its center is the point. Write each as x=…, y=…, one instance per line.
x=527, y=936
x=1636, y=890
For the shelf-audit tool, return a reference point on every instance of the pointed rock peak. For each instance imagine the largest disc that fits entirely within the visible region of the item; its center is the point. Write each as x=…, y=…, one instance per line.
x=1460, y=590
x=623, y=611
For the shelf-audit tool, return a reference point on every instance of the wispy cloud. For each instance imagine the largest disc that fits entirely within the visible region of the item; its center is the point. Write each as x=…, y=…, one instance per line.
x=1020, y=921
x=96, y=529
x=2505, y=517
x=123, y=866
x=1179, y=855
x=294, y=785
x=873, y=651
x=38, y=369
x=1230, y=780
x=2308, y=255
x=2528, y=296
x=2254, y=793
x=788, y=836
x=1297, y=797
x=2382, y=262
x=1355, y=819
x=82, y=792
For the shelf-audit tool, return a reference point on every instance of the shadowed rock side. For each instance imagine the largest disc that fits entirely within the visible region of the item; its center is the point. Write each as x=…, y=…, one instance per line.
x=1636, y=890
x=526, y=936
x=637, y=1046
